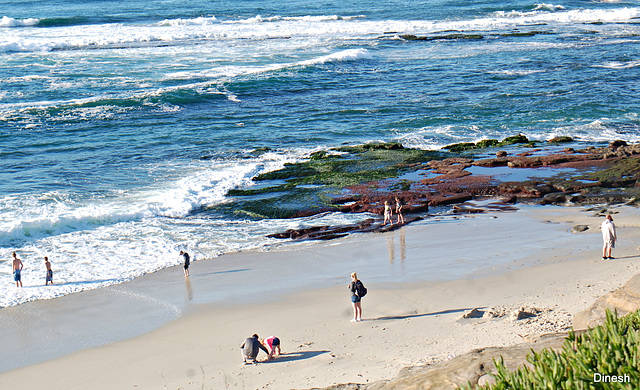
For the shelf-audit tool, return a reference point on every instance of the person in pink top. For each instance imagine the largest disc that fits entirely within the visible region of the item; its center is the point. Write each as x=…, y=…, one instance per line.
x=272, y=344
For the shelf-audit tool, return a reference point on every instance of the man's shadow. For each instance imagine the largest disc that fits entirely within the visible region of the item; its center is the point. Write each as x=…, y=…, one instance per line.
x=289, y=357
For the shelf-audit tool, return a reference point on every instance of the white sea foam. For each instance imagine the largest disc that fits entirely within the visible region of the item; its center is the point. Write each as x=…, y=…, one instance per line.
x=517, y=72
x=318, y=27
x=345, y=55
x=603, y=131
x=432, y=138
x=90, y=259
x=27, y=218
x=619, y=64
x=11, y=22
x=92, y=242
x=548, y=7
x=239, y=70
x=201, y=21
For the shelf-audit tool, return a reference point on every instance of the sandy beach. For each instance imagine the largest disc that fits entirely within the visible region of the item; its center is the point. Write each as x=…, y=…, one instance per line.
x=162, y=331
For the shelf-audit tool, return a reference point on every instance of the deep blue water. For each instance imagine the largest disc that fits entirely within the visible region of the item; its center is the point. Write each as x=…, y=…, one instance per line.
x=120, y=120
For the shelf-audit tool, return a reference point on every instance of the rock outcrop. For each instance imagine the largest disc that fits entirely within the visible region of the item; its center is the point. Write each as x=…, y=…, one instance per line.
x=473, y=367
x=624, y=300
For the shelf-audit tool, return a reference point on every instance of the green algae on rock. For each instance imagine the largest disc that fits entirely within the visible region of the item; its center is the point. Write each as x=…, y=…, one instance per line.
x=309, y=187
x=487, y=143
x=411, y=37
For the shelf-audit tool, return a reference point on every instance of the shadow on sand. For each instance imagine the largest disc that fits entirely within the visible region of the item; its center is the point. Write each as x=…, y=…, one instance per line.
x=623, y=257
x=418, y=315
x=224, y=272
x=289, y=357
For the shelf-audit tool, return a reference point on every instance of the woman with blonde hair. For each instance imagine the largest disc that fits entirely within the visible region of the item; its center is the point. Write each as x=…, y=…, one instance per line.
x=387, y=213
x=357, y=292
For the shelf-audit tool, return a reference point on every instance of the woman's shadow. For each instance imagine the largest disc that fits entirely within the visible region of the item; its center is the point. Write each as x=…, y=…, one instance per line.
x=289, y=357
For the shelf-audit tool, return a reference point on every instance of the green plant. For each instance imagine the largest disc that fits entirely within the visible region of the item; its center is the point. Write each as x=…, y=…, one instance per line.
x=611, y=349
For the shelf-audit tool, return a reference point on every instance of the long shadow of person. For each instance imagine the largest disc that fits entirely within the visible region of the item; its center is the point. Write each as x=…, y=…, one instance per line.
x=292, y=356
x=416, y=315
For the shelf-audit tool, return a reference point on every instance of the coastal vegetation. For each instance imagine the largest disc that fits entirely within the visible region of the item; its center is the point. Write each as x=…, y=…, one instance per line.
x=607, y=356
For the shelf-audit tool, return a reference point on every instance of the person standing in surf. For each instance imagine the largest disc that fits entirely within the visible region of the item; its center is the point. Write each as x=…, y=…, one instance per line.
x=17, y=269
x=49, y=278
x=187, y=261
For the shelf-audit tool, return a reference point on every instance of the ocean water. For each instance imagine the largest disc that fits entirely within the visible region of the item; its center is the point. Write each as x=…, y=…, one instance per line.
x=124, y=124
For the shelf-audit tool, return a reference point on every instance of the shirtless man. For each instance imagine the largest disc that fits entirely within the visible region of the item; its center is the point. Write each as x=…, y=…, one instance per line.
x=17, y=269
x=49, y=278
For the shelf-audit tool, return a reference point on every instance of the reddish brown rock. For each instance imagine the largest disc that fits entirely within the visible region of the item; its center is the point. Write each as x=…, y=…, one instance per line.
x=444, y=200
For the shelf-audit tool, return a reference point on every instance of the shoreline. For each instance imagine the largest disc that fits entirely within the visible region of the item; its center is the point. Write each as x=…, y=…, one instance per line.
x=165, y=295
x=305, y=313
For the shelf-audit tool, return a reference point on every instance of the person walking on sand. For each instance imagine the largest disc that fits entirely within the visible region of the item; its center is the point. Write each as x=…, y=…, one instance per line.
x=357, y=292
x=387, y=213
x=17, y=270
x=187, y=261
x=273, y=345
x=250, y=349
x=609, y=237
x=399, y=211
x=49, y=277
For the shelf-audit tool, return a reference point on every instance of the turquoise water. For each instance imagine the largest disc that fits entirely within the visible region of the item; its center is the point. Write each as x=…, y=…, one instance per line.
x=122, y=122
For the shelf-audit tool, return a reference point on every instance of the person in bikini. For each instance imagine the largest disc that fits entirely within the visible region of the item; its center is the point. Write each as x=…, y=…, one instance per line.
x=387, y=213
x=399, y=211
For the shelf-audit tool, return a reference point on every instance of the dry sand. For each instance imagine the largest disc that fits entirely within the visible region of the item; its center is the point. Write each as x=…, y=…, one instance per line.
x=410, y=318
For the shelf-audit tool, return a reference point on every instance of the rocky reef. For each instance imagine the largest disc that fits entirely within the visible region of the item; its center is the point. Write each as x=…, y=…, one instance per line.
x=358, y=179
